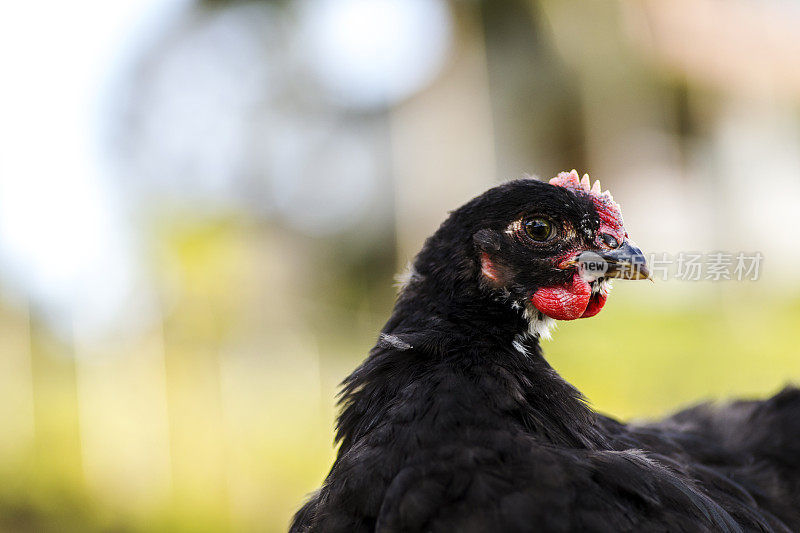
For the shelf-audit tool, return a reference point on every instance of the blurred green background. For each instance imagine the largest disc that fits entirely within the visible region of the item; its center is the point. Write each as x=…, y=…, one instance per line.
x=203, y=205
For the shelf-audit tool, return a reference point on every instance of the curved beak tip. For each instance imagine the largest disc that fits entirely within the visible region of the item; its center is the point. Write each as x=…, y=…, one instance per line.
x=625, y=262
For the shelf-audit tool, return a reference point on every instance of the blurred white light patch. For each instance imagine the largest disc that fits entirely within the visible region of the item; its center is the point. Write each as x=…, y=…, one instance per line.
x=322, y=178
x=370, y=53
x=64, y=243
x=196, y=107
x=62, y=247
x=226, y=119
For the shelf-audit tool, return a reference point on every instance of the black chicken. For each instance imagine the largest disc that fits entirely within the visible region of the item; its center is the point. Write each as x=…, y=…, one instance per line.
x=455, y=422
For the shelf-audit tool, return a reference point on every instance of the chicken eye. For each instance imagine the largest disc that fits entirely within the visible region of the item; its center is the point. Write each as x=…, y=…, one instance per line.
x=539, y=229
x=609, y=240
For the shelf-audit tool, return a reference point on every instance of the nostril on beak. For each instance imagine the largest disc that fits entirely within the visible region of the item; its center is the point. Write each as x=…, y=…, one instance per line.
x=625, y=262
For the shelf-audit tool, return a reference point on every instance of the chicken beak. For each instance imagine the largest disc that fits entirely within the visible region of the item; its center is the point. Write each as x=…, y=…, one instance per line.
x=626, y=262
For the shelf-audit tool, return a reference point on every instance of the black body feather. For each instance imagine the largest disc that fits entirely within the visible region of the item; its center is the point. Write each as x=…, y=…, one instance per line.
x=448, y=426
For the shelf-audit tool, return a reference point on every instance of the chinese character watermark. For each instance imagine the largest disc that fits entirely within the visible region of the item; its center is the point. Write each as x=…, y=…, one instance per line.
x=712, y=266
x=689, y=266
x=684, y=266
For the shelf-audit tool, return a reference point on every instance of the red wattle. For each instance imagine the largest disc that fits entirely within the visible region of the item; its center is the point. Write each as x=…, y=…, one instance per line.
x=564, y=302
x=596, y=303
x=569, y=301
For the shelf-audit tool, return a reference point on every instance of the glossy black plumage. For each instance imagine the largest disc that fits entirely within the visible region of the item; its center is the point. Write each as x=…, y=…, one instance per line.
x=456, y=422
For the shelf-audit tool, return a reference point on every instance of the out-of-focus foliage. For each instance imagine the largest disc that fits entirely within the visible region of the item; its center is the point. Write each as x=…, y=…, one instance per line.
x=242, y=263
x=241, y=437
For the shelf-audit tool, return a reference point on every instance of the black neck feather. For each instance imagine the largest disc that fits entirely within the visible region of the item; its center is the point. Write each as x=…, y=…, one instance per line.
x=452, y=346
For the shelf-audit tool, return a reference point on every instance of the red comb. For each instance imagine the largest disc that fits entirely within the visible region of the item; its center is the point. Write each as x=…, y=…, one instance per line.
x=571, y=180
x=609, y=210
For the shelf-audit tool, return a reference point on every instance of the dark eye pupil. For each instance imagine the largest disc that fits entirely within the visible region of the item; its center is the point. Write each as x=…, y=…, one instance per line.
x=539, y=229
x=609, y=241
